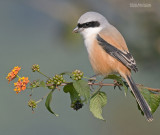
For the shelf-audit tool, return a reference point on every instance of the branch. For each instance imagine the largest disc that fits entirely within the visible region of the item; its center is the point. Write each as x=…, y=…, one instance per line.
x=112, y=84
x=150, y=89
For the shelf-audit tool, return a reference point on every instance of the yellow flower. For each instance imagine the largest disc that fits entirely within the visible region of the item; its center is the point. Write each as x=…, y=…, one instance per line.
x=13, y=73
x=21, y=84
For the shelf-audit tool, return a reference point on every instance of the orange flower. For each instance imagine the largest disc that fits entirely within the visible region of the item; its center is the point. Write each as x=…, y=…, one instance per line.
x=21, y=84
x=13, y=73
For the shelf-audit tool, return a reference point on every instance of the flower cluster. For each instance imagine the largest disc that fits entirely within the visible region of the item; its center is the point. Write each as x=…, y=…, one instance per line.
x=58, y=79
x=21, y=84
x=77, y=75
x=22, y=81
x=35, y=84
x=55, y=81
x=32, y=103
x=50, y=83
x=11, y=75
x=35, y=67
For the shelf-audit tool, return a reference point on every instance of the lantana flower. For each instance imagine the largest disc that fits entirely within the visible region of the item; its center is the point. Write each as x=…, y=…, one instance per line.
x=13, y=73
x=21, y=84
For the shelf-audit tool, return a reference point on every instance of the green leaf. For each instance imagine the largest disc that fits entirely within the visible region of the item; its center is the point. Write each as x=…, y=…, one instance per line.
x=42, y=84
x=48, y=101
x=125, y=86
x=66, y=73
x=119, y=80
x=73, y=93
x=82, y=88
x=114, y=77
x=153, y=99
x=97, y=102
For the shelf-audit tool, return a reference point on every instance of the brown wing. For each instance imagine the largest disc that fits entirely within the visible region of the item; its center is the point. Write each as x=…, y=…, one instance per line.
x=122, y=56
x=114, y=37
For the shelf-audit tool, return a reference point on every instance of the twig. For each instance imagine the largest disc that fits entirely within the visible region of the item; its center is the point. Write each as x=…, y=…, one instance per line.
x=112, y=84
x=150, y=89
x=43, y=74
x=41, y=99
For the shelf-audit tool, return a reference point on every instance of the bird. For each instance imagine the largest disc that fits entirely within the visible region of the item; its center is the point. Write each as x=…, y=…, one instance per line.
x=108, y=52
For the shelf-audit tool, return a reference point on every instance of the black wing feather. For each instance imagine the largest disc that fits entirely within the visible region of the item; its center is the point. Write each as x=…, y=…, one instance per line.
x=123, y=56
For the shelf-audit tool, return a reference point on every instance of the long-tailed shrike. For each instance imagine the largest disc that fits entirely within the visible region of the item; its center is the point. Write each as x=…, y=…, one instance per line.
x=108, y=52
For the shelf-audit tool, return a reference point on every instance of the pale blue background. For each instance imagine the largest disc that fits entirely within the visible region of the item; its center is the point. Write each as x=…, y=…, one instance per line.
x=40, y=32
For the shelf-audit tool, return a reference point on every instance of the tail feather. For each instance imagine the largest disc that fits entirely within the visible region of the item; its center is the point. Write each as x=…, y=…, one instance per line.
x=140, y=99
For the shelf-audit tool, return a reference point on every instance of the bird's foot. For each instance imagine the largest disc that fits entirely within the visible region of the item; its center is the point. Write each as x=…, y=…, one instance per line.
x=117, y=84
x=92, y=81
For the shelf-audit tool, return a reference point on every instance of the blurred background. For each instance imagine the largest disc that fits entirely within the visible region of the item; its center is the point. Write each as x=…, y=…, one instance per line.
x=40, y=32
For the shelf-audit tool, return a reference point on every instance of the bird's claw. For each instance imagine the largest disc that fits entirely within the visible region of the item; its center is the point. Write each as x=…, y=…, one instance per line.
x=117, y=84
x=91, y=81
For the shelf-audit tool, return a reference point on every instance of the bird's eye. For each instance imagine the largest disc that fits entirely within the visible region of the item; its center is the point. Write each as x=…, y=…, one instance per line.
x=89, y=24
x=79, y=25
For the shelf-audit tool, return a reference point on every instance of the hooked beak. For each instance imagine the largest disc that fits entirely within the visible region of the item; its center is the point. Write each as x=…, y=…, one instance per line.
x=76, y=30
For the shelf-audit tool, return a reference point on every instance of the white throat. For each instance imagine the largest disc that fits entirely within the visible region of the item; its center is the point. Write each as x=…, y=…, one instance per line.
x=89, y=36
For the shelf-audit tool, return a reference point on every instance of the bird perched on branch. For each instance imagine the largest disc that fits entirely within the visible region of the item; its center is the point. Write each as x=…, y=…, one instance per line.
x=108, y=52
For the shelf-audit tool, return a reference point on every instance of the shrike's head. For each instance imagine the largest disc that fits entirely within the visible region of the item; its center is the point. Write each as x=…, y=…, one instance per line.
x=90, y=23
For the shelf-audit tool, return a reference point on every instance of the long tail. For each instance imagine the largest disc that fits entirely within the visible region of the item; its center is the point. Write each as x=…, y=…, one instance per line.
x=141, y=101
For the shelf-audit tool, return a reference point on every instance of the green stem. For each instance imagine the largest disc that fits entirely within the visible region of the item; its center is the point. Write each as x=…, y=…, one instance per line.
x=86, y=77
x=29, y=88
x=43, y=74
x=43, y=97
x=18, y=76
x=96, y=91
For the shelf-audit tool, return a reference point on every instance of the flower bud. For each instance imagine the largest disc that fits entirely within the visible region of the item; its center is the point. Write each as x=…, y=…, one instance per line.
x=35, y=67
x=32, y=103
x=50, y=83
x=58, y=79
x=77, y=75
